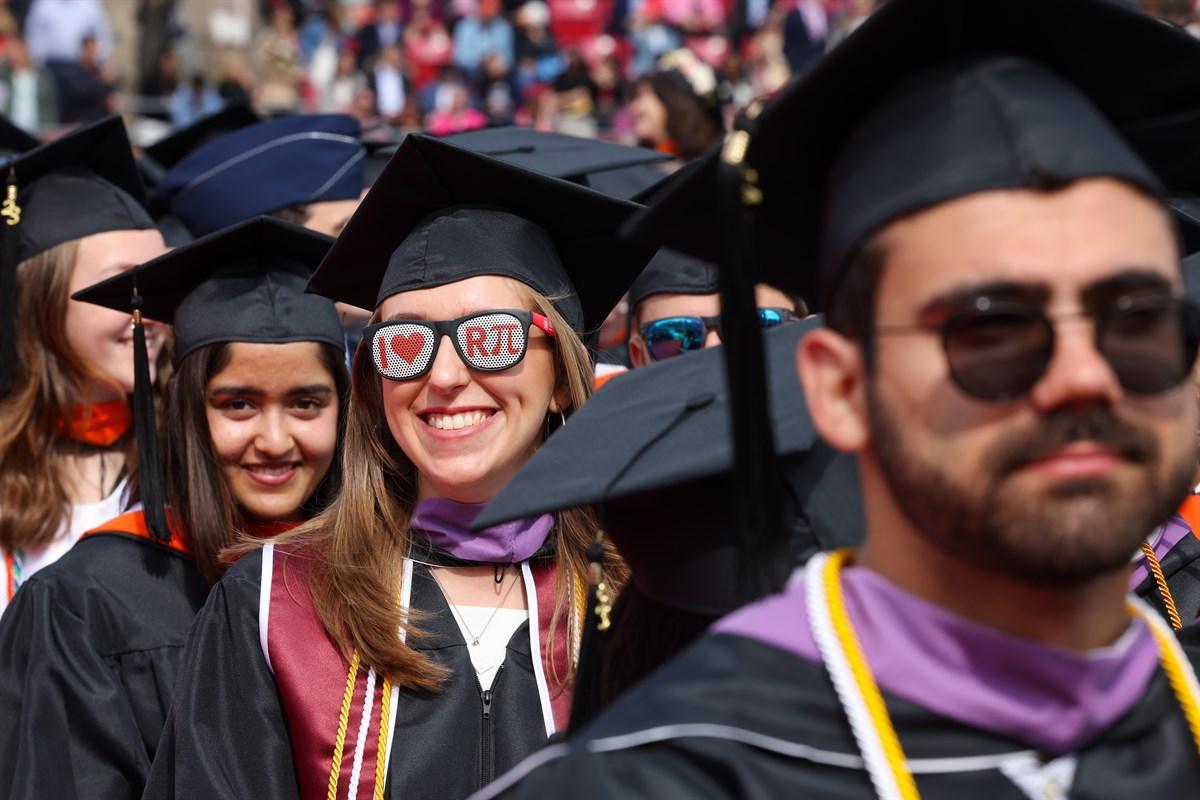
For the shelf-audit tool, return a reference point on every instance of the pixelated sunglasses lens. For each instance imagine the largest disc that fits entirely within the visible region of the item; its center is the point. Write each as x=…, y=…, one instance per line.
x=491, y=342
x=666, y=338
x=771, y=317
x=402, y=351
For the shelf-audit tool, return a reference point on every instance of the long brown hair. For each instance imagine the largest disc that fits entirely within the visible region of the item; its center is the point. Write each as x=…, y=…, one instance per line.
x=197, y=490
x=49, y=378
x=360, y=541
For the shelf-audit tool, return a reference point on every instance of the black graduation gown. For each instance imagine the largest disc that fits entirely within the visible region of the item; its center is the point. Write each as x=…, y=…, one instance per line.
x=1181, y=568
x=89, y=650
x=751, y=710
x=227, y=735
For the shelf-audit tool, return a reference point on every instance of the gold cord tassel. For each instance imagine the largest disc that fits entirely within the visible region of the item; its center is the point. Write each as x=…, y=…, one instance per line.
x=1164, y=591
x=335, y=770
x=381, y=753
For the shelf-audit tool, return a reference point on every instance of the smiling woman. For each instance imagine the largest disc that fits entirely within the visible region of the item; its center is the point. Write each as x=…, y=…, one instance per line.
x=90, y=648
x=386, y=617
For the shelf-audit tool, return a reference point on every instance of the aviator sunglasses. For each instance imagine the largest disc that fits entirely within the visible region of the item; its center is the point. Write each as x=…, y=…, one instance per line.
x=998, y=351
x=672, y=336
x=489, y=341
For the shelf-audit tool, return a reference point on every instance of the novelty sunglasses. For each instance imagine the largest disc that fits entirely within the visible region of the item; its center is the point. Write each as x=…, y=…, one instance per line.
x=489, y=341
x=998, y=351
x=672, y=336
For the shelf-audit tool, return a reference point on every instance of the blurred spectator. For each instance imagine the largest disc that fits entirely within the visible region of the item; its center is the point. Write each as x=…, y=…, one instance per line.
x=85, y=88
x=277, y=61
x=320, y=41
x=610, y=90
x=652, y=36
x=453, y=112
x=163, y=79
x=193, y=100
x=575, y=93
x=390, y=84
x=694, y=17
x=538, y=60
x=55, y=29
x=383, y=31
x=496, y=89
x=481, y=34
x=9, y=27
x=805, y=30
x=746, y=19
x=676, y=110
x=30, y=97
x=427, y=45
x=349, y=80
x=236, y=82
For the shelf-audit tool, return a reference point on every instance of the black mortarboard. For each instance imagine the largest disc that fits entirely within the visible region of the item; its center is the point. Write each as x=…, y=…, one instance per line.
x=440, y=213
x=1186, y=210
x=177, y=145
x=658, y=437
x=243, y=284
x=613, y=169
x=81, y=184
x=673, y=272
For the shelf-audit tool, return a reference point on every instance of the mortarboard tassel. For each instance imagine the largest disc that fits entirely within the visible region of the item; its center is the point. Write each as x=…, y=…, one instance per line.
x=588, y=694
x=9, y=253
x=763, y=539
x=150, y=476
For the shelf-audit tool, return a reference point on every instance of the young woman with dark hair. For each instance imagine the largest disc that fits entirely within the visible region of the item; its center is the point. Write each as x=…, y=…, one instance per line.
x=386, y=646
x=89, y=650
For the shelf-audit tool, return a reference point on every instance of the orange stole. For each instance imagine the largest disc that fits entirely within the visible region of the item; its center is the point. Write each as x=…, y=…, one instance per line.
x=1190, y=511
x=133, y=523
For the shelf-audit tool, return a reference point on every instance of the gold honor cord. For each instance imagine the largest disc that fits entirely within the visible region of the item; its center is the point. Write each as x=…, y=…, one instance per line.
x=339, y=745
x=1160, y=580
x=849, y=656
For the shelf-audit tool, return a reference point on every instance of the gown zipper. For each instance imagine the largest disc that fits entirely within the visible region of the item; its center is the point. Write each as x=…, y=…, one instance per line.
x=487, y=755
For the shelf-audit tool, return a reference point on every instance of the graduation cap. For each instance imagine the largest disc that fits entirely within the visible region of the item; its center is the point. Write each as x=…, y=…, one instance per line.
x=266, y=167
x=81, y=184
x=1186, y=210
x=927, y=101
x=652, y=453
x=242, y=284
x=613, y=169
x=441, y=213
x=673, y=272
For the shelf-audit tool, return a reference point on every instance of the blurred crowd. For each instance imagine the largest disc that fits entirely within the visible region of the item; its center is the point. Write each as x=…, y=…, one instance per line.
x=587, y=67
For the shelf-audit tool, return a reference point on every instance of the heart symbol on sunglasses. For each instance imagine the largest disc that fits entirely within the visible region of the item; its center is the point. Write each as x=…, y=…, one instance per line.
x=409, y=346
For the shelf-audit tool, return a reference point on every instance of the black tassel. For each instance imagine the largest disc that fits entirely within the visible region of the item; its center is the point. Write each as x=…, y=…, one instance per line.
x=150, y=476
x=762, y=541
x=588, y=697
x=9, y=256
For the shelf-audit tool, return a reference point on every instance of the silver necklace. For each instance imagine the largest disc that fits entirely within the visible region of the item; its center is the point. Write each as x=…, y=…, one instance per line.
x=475, y=637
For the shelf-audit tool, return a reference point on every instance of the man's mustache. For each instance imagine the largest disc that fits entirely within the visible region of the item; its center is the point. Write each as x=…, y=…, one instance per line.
x=1067, y=426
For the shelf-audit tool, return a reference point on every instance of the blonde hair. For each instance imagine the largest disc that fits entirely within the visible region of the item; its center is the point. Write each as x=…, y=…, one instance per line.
x=358, y=544
x=48, y=379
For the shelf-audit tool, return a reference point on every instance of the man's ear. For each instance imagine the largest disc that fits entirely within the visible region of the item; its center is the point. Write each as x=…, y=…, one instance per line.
x=638, y=357
x=833, y=374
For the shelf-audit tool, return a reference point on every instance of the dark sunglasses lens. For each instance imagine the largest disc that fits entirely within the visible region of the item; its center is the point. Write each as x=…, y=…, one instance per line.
x=1150, y=344
x=667, y=338
x=771, y=317
x=998, y=355
x=402, y=351
x=491, y=342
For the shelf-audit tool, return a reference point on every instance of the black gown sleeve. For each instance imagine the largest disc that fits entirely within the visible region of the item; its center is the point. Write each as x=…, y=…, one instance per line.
x=66, y=728
x=226, y=734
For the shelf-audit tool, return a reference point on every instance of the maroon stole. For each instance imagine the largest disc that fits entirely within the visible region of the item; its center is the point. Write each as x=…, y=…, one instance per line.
x=312, y=678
